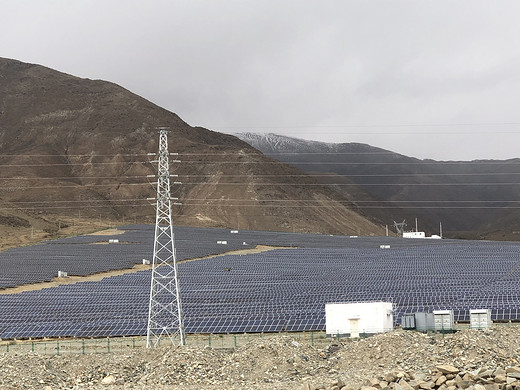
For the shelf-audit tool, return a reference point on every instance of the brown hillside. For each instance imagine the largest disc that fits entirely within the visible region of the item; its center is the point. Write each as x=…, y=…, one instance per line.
x=77, y=147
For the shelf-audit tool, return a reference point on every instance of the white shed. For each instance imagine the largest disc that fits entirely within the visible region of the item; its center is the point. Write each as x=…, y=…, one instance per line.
x=480, y=318
x=354, y=319
x=443, y=320
x=414, y=235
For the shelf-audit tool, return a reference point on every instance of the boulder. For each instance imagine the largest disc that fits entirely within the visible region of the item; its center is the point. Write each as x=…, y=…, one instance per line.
x=108, y=380
x=447, y=369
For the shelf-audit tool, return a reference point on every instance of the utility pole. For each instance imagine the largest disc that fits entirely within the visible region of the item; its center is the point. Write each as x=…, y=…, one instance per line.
x=399, y=227
x=165, y=310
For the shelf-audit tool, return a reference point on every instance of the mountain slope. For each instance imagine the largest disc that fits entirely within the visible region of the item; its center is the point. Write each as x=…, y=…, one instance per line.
x=471, y=199
x=72, y=146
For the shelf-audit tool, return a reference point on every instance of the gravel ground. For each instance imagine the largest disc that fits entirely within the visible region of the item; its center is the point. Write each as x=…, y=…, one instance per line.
x=273, y=362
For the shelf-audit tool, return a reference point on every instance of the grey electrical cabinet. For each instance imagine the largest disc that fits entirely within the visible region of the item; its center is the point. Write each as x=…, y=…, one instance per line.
x=408, y=321
x=424, y=322
x=480, y=319
x=443, y=320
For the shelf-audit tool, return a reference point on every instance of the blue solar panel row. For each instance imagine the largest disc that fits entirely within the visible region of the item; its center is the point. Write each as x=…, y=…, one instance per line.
x=283, y=290
x=84, y=255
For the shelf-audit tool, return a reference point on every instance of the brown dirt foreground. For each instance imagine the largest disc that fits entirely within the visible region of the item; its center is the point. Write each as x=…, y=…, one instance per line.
x=281, y=362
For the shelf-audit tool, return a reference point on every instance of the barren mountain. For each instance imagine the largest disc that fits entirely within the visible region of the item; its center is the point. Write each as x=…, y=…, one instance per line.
x=474, y=199
x=78, y=147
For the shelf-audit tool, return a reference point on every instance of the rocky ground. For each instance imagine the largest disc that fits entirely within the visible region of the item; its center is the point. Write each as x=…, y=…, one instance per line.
x=400, y=360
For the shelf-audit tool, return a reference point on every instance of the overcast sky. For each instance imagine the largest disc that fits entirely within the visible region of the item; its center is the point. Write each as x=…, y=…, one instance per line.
x=431, y=79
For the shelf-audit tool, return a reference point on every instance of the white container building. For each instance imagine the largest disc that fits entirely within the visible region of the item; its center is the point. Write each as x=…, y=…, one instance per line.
x=424, y=322
x=355, y=319
x=414, y=235
x=480, y=319
x=408, y=321
x=443, y=320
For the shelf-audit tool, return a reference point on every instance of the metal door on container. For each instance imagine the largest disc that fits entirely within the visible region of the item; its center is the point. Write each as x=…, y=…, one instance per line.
x=442, y=322
x=354, y=327
x=479, y=321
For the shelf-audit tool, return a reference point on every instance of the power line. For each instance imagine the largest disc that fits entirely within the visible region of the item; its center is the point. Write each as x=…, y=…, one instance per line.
x=509, y=162
x=11, y=188
x=352, y=201
x=366, y=207
x=88, y=177
x=359, y=203
x=419, y=162
x=356, y=184
x=74, y=164
x=252, y=153
x=73, y=207
x=394, y=125
x=76, y=201
x=278, y=207
x=187, y=200
x=74, y=155
x=72, y=186
x=264, y=176
x=356, y=175
x=224, y=154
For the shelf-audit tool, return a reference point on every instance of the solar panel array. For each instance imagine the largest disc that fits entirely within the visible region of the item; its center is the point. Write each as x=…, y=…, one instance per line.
x=84, y=255
x=284, y=289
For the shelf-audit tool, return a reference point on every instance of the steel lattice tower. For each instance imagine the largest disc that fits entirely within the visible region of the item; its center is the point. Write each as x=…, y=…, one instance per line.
x=165, y=310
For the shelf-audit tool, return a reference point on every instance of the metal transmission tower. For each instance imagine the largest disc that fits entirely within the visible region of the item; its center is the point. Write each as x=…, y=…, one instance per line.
x=399, y=227
x=165, y=310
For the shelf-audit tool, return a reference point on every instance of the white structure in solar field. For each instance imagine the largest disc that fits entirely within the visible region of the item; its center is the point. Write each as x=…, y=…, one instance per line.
x=414, y=235
x=418, y=234
x=356, y=319
x=443, y=320
x=480, y=319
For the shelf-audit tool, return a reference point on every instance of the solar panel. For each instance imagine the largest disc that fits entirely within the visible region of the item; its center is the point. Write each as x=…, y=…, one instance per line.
x=279, y=290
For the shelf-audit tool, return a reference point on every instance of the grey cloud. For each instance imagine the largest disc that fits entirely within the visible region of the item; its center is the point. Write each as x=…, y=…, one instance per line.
x=314, y=69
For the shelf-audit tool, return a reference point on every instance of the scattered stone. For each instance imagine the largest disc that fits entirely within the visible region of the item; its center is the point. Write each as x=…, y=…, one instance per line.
x=405, y=385
x=499, y=371
x=372, y=382
x=447, y=369
x=500, y=379
x=108, y=380
x=515, y=375
x=440, y=381
x=307, y=386
x=397, y=360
